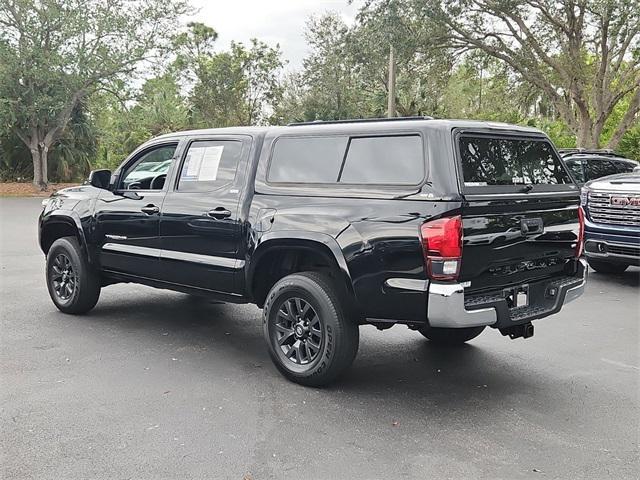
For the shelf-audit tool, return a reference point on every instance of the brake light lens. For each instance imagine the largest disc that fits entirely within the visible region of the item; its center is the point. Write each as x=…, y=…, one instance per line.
x=442, y=247
x=580, y=243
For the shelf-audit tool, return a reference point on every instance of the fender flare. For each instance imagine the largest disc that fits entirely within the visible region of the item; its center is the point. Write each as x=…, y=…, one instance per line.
x=64, y=216
x=271, y=240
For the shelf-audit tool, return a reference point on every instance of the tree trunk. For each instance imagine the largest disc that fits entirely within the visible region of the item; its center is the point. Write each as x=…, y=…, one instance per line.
x=37, y=168
x=44, y=157
x=39, y=155
x=584, y=137
x=596, y=132
x=391, y=101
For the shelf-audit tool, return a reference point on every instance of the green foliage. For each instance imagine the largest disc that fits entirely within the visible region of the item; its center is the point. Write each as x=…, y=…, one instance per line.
x=583, y=56
x=158, y=108
x=630, y=143
x=331, y=84
x=69, y=73
x=13, y=166
x=55, y=53
x=238, y=87
x=70, y=160
x=557, y=131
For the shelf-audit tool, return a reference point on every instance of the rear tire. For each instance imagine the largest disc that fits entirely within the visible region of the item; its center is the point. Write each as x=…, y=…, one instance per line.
x=451, y=336
x=310, y=337
x=603, y=266
x=73, y=285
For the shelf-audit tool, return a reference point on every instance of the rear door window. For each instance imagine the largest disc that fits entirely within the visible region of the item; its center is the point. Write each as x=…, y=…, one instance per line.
x=492, y=161
x=209, y=165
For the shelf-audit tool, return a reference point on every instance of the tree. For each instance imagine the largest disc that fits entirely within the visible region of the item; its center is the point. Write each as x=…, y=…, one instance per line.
x=126, y=120
x=55, y=53
x=329, y=72
x=346, y=73
x=420, y=79
x=160, y=108
x=193, y=48
x=238, y=87
x=583, y=55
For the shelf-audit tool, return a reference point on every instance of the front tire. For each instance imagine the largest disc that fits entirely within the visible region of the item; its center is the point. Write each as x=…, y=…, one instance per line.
x=602, y=266
x=73, y=285
x=310, y=338
x=450, y=336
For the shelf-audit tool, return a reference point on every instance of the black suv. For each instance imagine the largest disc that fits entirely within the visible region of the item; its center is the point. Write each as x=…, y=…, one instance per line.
x=586, y=165
x=445, y=226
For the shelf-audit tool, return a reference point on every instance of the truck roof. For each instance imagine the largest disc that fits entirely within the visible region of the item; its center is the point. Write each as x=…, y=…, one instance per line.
x=368, y=125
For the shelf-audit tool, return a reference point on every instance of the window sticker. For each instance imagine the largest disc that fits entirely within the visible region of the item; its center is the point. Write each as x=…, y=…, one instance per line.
x=210, y=163
x=194, y=161
x=202, y=164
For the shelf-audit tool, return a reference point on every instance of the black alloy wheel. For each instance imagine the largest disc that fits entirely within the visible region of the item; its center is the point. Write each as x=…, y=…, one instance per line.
x=298, y=331
x=63, y=278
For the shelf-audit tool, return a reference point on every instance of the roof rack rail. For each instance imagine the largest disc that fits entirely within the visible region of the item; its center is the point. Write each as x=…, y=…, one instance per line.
x=607, y=152
x=358, y=120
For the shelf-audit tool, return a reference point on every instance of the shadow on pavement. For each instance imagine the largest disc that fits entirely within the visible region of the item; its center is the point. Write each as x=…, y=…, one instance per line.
x=421, y=374
x=629, y=278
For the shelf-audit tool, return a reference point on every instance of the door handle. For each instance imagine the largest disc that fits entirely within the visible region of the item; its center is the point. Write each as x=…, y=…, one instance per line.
x=150, y=209
x=219, y=213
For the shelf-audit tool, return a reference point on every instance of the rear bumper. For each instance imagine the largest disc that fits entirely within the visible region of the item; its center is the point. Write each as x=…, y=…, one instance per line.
x=448, y=306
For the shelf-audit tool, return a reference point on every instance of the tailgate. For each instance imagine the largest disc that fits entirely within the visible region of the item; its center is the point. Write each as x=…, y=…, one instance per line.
x=520, y=210
x=509, y=242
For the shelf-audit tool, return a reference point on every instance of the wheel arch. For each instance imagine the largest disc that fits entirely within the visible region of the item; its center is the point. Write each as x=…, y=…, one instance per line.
x=58, y=225
x=306, y=248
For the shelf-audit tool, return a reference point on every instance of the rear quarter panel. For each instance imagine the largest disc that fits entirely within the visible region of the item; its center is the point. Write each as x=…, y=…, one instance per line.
x=378, y=238
x=377, y=234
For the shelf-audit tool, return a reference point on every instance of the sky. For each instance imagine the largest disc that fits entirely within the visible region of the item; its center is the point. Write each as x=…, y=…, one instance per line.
x=272, y=21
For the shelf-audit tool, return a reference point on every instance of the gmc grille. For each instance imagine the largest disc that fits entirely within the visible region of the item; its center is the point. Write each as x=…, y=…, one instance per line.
x=601, y=210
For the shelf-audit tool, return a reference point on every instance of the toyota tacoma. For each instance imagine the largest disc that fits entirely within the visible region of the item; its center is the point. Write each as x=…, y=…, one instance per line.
x=445, y=226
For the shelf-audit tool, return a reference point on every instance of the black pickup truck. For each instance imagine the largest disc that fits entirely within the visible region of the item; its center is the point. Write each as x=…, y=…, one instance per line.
x=445, y=226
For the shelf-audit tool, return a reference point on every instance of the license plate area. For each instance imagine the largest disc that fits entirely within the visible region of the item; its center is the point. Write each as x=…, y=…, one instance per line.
x=517, y=297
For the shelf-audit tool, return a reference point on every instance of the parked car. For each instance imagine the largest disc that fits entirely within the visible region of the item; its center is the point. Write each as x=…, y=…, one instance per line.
x=586, y=165
x=612, y=223
x=445, y=226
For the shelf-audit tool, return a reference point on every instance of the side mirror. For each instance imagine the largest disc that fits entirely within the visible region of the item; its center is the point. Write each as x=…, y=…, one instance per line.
x=100, y=178
x=636, y=169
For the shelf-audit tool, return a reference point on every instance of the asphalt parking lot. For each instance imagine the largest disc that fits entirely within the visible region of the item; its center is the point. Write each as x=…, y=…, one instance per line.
x=153, y=384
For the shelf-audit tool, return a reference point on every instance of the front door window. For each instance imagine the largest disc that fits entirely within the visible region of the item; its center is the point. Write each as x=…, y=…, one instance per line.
x=149, y=172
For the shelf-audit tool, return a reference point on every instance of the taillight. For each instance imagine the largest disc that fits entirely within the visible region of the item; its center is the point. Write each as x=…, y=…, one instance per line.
x=442, y=247
x=580, y=242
